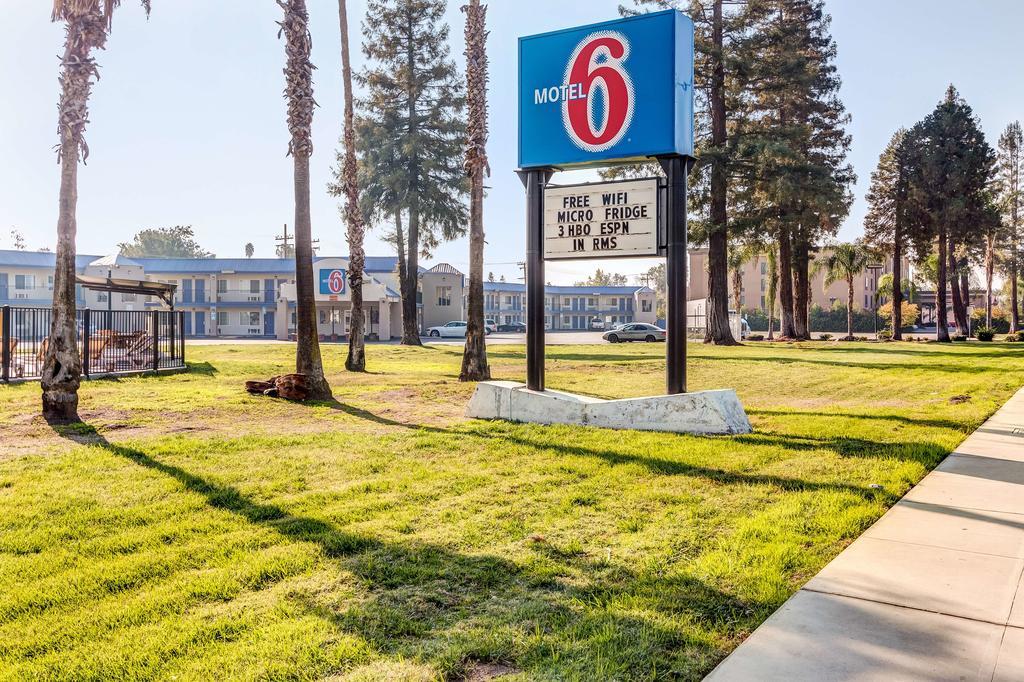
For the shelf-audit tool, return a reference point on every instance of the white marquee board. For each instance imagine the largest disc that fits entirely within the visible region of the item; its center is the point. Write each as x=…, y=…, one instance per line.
x=601, y=220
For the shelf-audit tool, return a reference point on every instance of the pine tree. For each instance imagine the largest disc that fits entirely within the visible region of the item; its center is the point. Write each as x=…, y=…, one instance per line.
x=950, y=170
x=1011, y=204
x=715, y=30
x=792, y=141
x=412, y=135
x=887, y=221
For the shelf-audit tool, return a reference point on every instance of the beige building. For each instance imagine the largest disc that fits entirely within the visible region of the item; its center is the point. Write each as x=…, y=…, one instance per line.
x=753, y=294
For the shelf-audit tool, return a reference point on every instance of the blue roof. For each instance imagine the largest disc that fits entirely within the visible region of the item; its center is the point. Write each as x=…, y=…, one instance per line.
x=38, y=259
x=513, y=287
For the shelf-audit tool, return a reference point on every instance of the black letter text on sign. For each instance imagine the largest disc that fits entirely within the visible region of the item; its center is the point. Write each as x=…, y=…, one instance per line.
x=601, y=220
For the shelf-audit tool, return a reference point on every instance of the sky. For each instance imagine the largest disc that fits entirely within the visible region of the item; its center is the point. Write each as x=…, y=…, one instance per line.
x=188, y=120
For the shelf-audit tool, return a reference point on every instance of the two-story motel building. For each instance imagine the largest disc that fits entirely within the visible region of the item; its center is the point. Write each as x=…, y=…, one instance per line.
x=255, y=297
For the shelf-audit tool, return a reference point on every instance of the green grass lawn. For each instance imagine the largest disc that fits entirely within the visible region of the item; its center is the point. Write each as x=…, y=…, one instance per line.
x=190, y=531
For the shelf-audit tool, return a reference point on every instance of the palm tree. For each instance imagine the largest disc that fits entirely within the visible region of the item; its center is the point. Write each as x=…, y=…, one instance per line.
x=299, y=93
x=474, y=358
x=87, y=27
x=356, y=361
x=844, y=263
x=249, y=250
x=738, y=256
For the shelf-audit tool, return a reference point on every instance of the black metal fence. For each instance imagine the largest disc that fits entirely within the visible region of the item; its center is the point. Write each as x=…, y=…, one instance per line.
x=109, y=341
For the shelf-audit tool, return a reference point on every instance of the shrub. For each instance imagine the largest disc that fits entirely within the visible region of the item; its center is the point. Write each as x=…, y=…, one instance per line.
x=958, y=337
x=984, y=333
x=884, y=335
x=755, y=337
x=910, y=313
x=1013, y=338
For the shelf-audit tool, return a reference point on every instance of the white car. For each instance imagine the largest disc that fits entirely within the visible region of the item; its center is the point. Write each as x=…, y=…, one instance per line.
x=490, y=325
x=454, y=329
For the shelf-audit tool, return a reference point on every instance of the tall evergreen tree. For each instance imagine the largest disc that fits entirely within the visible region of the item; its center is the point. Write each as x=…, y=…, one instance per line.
x=412, y=135
x=950, y=170
x=792, y=141
x=1011, y=204
x=716, y=30
x=887, y=221
x=474, y=357
x=299, y=93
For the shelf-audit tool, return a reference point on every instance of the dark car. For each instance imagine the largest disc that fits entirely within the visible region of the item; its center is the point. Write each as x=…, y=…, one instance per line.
x=516, y=327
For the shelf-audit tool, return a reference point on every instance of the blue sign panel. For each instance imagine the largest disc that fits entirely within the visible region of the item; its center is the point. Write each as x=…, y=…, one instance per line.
x=605, y=93
x=332, y=282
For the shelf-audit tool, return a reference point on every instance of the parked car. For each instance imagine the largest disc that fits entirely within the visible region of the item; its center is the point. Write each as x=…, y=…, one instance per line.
x=634, y=331
x=515, y=327
x=597, y=324
x=744, y=329
x=490, y=325
x=453, y=329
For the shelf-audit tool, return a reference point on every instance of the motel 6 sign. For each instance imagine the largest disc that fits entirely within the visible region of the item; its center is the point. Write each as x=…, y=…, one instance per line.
x=607, y=93
x=332, y=282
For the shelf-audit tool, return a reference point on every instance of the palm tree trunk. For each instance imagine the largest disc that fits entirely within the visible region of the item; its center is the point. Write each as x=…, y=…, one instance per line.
x=474, y=358
x=356, y=360
x=941, y=313
x=990, y=266
x=897, y=286
x=62, y=364
x=717, y=328
x=849, y=307
x=299, y=92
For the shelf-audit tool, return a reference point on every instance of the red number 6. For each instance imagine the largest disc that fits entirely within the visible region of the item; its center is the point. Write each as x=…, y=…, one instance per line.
x=597, y=64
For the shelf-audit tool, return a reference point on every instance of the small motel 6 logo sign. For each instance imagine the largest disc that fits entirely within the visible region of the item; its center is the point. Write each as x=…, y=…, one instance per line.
x=606, y=93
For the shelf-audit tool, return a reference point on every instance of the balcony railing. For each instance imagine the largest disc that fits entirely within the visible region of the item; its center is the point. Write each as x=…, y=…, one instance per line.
x=245, y=296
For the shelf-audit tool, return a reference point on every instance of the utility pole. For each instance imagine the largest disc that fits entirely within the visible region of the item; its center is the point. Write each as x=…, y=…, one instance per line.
x=287, y=250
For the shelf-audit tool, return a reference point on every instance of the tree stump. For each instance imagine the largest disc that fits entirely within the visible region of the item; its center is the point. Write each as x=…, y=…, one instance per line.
x=287, y=386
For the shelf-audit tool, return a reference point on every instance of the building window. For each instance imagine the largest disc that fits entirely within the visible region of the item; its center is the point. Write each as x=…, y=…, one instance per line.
x=254, y=319
x=222, y=318
x=323, y=317
x=444, y=296
x=128, y=298
x=254, y=286
x=24, y=281
x=645, y=305
x=102, y=297
x=222, y=286
x=49, y=282
x=764, y=268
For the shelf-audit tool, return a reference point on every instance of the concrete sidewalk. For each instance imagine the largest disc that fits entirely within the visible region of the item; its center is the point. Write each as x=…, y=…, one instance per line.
x=932, y=591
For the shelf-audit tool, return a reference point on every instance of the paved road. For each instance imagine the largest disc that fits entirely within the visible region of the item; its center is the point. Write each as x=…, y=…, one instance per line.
x=552, y=339
x=932, y=591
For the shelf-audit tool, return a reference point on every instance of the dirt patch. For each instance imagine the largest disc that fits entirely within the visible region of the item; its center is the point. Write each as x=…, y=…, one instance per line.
x=958, y=399
x=481, y=672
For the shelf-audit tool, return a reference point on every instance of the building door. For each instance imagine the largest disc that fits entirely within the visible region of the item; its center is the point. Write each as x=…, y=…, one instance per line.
x=186, y=322
x=4, y=283
x=268, y=290
x=200, y=294
x=268, y=321
x=186, y=291
x=200, y=319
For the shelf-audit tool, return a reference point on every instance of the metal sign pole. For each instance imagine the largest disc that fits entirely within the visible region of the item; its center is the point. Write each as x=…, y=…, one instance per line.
x=675, y=168
x=534, y=181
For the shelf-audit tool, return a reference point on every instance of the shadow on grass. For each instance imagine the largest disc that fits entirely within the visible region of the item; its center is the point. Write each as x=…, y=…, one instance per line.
x=661, y=465
x=201, y=368
x=420, y=590
x=912, y=421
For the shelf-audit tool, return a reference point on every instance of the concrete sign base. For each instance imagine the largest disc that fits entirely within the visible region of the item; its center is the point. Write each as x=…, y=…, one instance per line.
x=703, y=413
